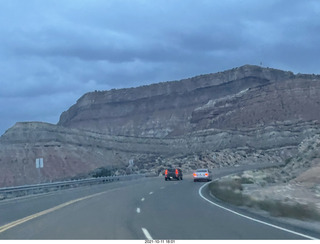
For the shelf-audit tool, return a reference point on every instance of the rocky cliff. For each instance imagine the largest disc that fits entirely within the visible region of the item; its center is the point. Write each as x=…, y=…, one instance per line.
x=293, y=100
x=164, y=109
x=245, y=115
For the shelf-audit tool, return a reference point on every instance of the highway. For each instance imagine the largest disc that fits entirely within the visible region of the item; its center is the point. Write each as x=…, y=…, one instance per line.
x=147, y=208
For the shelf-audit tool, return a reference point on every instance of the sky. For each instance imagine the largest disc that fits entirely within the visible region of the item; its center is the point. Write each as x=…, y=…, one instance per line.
x=54, y=51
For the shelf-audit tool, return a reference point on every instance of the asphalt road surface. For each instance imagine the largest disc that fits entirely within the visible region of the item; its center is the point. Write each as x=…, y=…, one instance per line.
x=147, y=208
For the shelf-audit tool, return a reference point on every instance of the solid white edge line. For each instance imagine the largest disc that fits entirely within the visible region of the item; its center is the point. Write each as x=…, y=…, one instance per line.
x=253, y=219
x=147, y=234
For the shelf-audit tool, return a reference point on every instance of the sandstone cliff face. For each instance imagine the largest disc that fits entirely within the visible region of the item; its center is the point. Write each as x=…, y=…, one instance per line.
x=162, y=109
x=244, y=115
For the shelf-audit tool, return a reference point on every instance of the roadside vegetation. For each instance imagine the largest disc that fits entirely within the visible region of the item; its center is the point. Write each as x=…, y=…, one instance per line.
x=230, y=190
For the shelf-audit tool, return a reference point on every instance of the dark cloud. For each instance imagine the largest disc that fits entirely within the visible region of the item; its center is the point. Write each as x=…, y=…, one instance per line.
x=54, y=51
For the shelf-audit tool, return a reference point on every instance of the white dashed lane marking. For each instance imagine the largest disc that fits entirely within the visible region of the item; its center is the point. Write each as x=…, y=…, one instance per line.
x=147, y=234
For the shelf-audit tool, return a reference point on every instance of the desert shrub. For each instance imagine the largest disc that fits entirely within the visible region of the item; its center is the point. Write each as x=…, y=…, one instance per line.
x=269, y=179
x=102, y=172
x=294, y=210
x=246, y=180
x=231, y=192
x=288, y=160
x=227, y=191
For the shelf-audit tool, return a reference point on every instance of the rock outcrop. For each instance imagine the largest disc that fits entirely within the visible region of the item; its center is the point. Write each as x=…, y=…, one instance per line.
x=291, y=100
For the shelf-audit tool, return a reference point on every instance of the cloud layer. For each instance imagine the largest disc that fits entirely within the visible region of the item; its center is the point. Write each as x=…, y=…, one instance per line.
x=54, y=51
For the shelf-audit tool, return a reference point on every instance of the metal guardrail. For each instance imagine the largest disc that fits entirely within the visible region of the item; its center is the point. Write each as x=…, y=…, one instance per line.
x=18, y=191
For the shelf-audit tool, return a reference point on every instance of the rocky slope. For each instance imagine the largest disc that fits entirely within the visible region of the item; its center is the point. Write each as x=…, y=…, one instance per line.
x=292, y=190
x=245, y=115
x=296, y=181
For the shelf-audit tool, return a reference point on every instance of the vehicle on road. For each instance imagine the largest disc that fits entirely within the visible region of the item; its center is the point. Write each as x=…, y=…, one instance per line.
x=171, y=173
x=202, y=175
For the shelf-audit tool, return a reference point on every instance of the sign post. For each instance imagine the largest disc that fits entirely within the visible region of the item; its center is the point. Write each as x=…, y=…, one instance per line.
x=39, y=165
x=131, y=162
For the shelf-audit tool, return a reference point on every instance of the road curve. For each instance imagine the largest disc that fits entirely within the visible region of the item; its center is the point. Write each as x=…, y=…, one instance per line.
x=149, y=208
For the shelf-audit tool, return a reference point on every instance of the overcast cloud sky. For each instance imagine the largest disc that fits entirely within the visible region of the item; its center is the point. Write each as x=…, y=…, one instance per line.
x=54, y=51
